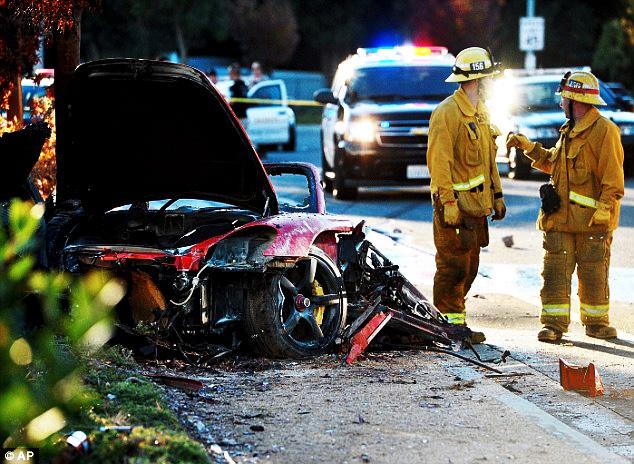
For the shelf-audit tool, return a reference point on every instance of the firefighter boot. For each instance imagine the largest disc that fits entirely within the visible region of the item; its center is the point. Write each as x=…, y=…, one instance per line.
x=600, y=331
x=548, y=334
x=476, y=337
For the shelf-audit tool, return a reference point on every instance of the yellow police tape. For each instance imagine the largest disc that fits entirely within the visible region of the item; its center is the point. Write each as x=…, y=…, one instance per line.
x=275, y=102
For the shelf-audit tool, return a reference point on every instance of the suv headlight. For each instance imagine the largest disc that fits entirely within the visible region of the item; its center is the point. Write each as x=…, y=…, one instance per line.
x=627, y=129
x=536, y=133
x=361, y=130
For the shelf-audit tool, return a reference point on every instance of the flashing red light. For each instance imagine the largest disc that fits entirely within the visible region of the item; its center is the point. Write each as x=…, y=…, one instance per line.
x=428, y=50
x=405, y=50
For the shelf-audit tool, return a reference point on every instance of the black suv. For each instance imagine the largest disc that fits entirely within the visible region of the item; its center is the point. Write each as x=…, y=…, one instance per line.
x=376, y=117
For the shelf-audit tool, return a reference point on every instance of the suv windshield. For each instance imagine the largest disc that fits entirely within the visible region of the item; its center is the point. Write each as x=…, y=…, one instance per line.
x=541, y=96
x=400, y=83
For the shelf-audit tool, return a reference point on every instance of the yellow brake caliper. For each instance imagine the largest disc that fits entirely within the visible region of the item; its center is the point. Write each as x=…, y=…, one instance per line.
x=319, y=311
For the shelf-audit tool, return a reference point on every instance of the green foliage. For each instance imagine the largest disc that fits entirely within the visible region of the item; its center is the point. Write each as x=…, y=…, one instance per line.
x=52, y=380
x=44, y=318
x=133, y=398
x=611, y=58
x=145, y=446
x=130, y=400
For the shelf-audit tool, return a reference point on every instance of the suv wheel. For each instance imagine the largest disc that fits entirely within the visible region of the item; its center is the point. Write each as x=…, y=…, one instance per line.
x=326, y=181
x=291, y=145
x=339, y=189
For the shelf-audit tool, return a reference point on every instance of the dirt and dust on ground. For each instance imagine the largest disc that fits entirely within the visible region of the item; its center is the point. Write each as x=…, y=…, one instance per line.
x=419, y=406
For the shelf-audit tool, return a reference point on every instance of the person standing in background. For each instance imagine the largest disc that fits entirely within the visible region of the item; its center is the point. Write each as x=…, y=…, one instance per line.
x=256, y=74
x=238, y=89
x=465, y=182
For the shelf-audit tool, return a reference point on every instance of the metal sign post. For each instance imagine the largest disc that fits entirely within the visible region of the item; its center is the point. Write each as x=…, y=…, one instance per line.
x=531, y=34
x=531, y=38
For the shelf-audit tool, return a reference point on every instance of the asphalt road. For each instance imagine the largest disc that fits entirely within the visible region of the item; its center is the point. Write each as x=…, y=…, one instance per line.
x=504, y=301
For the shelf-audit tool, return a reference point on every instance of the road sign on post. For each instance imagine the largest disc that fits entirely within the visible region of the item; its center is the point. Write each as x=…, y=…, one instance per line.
x=532, y=33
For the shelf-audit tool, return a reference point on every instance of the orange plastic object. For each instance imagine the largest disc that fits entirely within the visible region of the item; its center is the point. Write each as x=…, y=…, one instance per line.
x=574, y=377
x=363, y=337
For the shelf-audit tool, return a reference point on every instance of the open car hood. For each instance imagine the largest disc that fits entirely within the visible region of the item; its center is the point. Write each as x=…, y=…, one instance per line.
x=144, y=130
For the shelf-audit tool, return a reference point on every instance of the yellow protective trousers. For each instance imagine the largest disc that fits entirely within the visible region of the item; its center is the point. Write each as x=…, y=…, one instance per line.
x=457, y=261
x=589, y=253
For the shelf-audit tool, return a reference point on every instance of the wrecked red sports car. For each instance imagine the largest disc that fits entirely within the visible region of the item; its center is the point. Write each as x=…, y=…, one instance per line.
x=163, y=187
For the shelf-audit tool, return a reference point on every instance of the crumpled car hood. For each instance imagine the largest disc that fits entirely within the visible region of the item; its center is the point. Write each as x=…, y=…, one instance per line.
x=144, y=130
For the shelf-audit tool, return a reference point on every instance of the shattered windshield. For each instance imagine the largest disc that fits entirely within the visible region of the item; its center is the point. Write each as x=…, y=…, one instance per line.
x=392, y=83
x=175, y=204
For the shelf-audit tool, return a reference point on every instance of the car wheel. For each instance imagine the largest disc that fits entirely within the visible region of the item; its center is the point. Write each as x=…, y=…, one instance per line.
x=291, y=145
x=297, y=314
x=339, y=188
x=519, y=165
x=325, y=180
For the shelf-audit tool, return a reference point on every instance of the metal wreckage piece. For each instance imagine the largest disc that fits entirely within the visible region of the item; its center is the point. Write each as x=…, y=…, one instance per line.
x=380, y=299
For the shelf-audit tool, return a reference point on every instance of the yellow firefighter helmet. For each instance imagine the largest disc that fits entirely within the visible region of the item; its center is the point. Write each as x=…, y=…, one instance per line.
x=581, y=86
x=473, y=63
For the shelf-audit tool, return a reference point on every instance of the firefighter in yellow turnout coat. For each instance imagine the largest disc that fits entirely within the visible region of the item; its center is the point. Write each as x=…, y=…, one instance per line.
x=465, y=183
x=586, y=168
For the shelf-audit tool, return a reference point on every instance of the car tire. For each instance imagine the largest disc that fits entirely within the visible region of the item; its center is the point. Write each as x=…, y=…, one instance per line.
x=326, y=182
x=282, y=316
x=291, y=145
x=519, y=165
x=339, y=188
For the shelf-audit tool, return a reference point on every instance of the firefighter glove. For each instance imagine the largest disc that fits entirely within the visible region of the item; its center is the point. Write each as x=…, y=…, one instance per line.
x=499, y=209
x=520, y=141
x=451, y=213
x=601, y=216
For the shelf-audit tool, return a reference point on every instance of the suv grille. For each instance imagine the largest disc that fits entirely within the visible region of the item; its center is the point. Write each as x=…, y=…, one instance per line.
x=408, y=133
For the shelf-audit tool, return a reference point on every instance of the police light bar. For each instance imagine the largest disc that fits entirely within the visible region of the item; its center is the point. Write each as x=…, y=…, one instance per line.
x=403, y=51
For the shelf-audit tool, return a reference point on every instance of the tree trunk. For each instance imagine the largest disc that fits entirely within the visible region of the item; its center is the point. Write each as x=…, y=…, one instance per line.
x=15, y=111
x=66, y=45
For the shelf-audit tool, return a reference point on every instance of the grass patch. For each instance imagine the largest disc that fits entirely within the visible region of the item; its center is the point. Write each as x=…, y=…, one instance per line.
x=124, y=398
x=308, y=114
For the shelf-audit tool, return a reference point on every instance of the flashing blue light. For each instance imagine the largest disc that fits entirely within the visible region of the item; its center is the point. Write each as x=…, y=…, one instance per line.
x=385, y=124
x=387, y=38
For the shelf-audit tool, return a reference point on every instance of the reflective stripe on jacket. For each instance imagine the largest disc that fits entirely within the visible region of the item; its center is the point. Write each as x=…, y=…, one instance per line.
x=461, y=155
x=588, y=202
x=586, y=166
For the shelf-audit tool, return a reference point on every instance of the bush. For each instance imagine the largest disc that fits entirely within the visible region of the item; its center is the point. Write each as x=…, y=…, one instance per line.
x=41, y=386
x=53, y=382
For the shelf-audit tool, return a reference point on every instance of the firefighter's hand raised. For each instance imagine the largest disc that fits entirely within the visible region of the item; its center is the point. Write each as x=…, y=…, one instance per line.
x=519, y=141
x=451, y=213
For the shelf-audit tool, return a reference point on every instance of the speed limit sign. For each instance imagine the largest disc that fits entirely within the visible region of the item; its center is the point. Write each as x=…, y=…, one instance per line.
x=531, y=33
